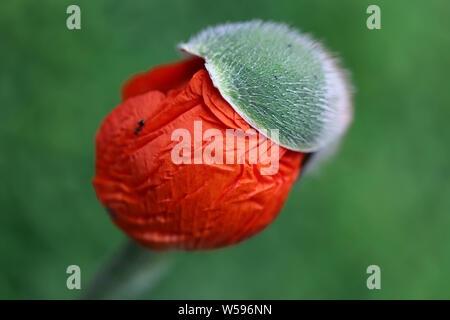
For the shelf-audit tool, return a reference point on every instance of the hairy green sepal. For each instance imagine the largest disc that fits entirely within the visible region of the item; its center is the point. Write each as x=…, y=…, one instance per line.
x=277, y=78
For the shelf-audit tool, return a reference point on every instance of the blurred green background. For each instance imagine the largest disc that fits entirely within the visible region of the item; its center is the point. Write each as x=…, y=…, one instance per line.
x=384, y=199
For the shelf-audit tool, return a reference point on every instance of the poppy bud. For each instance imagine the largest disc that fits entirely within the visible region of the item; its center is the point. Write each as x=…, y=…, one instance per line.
x=171, y=167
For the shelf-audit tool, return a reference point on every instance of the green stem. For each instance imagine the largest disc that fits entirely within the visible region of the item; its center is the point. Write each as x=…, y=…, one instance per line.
x=131, y=272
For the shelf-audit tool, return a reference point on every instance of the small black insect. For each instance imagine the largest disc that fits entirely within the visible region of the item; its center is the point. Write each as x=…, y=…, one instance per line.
x=276, y=78
x=139, y=128
x=289, y=46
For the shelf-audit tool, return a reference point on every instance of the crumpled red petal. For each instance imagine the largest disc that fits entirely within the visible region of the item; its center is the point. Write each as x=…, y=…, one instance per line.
x=162, y=78
x=164, y=205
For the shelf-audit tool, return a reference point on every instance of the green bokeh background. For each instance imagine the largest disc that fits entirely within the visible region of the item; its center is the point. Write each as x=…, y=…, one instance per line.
x=384, y=199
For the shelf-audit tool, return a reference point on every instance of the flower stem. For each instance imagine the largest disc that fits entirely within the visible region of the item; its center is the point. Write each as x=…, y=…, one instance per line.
x=131, y=272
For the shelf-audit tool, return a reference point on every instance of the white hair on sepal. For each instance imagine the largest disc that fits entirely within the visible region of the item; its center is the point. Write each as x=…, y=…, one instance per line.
x=275, y=77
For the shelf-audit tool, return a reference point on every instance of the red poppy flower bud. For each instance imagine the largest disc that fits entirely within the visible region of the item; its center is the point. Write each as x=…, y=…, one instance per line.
x=161, y=180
